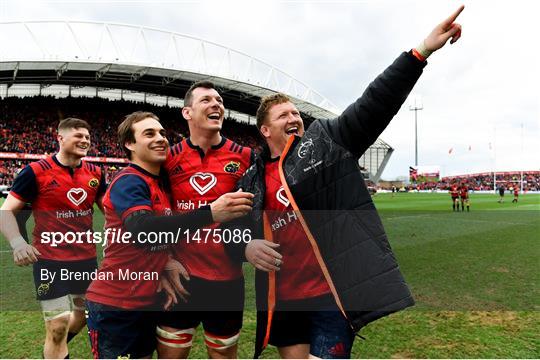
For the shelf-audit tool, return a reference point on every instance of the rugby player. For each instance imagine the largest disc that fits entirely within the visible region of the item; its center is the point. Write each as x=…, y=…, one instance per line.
x=501, y=194
x=454, y=194
x=464, y=197
x=337, y=272
x=201, y=168
x=120, y=320
x=62, y=190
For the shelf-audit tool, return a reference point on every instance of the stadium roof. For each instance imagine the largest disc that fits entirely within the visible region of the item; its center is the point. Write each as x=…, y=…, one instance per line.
x=374, y=160
x=105, y=56
x=137, y=58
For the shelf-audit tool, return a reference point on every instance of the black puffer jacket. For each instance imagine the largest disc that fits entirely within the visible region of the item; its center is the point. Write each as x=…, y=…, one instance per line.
x=322, y=179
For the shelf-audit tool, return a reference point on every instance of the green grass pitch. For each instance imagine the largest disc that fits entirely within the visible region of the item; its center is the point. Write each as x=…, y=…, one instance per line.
x=475, y=277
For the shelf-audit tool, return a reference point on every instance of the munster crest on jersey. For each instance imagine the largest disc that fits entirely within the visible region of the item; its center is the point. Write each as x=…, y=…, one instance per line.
x=232, y=167
x=93, y=183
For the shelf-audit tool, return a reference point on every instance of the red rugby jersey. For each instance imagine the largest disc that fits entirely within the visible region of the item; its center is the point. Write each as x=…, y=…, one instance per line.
x=197, y=179
x=132, y=189
x=454, y=191
x=300, y=276
x=62, y=201
x=464, y=192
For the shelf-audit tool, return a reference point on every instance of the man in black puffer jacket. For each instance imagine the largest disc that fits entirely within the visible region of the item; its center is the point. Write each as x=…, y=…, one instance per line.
x=334, y=260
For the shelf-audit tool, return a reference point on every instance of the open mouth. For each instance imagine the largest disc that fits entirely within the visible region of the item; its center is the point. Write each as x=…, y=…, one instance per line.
x=158, y=148
x=214, y=116
x=83, y=147
x=293, y=130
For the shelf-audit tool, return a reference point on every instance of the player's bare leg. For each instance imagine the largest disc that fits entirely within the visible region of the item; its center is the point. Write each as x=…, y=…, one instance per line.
x=221, y=347
x=298, y=351
x=77, y=320
x=228, y=353
x=55, y=338
x=166, y=352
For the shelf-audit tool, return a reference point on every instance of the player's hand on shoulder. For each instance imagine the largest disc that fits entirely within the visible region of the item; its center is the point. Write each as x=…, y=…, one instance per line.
x=262, y=255
x=232, y=205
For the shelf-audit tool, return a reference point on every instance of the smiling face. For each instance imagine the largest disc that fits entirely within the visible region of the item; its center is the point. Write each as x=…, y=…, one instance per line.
x=74, y=141
x=205, y=112
x=282, y=121
x=150, y=145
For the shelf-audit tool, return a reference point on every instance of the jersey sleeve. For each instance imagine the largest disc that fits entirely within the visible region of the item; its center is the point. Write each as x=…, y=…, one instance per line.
x=25, y=186
x=130, y=193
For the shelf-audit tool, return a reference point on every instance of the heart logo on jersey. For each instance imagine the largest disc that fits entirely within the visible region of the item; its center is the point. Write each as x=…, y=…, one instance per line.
x=77, y=196
x=202, y=182
x=282, y=197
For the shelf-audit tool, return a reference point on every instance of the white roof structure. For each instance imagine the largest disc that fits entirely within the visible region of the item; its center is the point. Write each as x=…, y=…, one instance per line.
x=129, y=56
x=134, y=59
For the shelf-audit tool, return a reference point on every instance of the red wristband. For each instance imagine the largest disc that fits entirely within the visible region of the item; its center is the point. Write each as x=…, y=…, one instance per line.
x=418, y=55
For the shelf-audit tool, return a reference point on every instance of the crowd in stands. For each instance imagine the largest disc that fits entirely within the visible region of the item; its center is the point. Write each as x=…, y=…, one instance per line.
x=475, y=182
x=484, y=181
x=8, y=169
x=28, y=126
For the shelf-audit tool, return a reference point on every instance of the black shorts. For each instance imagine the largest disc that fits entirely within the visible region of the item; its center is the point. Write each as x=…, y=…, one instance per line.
x=118, y=333
x=323, y=327
x=218, y=305
x=47, y=289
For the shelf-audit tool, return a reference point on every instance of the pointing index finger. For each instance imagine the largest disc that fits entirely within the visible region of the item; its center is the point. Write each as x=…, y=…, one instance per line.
x=454, y=16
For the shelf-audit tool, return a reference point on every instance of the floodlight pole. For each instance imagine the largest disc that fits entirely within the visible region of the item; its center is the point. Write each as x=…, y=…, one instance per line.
x=417, y=105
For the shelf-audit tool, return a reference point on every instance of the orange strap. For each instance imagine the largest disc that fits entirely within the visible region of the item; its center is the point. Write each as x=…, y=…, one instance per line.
x=418, y=55
x=271, y=282
x=314, y=244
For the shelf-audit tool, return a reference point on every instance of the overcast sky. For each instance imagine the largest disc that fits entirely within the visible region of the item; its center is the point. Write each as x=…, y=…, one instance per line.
x=482, y=90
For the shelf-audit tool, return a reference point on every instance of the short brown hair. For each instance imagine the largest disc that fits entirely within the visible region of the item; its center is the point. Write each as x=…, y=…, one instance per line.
x=125, y=130
x=266, y=103
x=73, y=123
x=199, y=84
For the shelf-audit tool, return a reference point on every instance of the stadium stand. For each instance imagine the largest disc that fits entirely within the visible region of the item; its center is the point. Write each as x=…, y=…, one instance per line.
x=484, y=181
x=28, y=126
